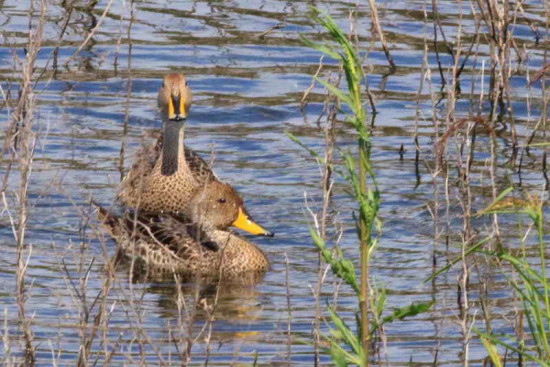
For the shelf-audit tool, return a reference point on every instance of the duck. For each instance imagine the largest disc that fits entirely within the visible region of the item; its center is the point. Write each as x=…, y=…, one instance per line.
x=166, y=175
x=195, y=243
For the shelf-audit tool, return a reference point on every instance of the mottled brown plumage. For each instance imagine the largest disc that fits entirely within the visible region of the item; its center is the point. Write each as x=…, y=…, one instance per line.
x=159, y=193
x=194, y=243
x=156, y=189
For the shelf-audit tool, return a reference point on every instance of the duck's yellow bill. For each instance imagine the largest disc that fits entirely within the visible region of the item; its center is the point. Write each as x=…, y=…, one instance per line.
x=178, y=113
x=244, y=223
x=171, y=113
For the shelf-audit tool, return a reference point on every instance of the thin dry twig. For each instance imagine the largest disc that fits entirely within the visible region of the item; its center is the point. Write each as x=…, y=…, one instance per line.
x=91, y=34
x=454, y=127
x=378, y=28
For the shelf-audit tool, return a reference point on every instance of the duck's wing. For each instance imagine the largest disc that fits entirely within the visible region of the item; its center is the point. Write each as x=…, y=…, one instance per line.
x=183, y=235
x=199, y=167
x=142, y=165
x=163, y=239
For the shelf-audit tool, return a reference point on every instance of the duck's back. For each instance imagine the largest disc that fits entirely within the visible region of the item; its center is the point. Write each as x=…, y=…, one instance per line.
x=176, y=245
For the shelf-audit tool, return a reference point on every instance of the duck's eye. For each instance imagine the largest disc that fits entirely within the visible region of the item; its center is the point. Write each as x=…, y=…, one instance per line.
x=186, y=83
x=221, y=200
x=162, y=86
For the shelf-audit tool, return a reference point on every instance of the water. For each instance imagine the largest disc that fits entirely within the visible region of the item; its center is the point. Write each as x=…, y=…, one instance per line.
x=247, y=90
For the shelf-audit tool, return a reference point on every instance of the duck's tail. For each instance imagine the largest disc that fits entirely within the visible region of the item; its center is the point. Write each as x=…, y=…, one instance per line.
x=108, y=220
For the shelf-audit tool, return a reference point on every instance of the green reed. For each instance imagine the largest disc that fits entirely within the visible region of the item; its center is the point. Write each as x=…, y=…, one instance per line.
x=531, y=287
x=345, y=345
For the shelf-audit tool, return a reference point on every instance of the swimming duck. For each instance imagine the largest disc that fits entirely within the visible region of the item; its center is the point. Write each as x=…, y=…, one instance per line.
x=165, y=176
x=195, y=242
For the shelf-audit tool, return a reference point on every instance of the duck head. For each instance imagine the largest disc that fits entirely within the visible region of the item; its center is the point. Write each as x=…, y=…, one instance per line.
x=217, y=205
x=174, y=98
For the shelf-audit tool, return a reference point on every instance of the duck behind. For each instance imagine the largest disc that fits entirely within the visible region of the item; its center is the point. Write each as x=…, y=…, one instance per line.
x=164, y=177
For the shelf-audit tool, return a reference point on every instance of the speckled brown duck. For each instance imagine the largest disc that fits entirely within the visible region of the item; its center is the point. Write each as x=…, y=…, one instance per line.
x=165, y=176
x=194, y=243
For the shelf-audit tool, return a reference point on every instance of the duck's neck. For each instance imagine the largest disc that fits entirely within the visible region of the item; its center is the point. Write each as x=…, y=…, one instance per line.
x=172, y=147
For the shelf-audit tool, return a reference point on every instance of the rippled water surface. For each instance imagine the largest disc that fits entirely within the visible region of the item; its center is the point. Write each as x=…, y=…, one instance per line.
x=248, y=71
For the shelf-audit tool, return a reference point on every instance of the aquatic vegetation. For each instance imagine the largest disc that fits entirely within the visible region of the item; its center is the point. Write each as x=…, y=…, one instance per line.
x=346, y=346
x=529, y=282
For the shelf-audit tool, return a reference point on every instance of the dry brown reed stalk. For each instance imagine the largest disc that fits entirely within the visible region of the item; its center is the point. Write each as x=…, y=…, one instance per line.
x=90, y=34
x=541, y=123
x=434, y=208
x=375, y=20
x=325, y=165
x=539, y=74
x=184, y=335
x=20, y=140
x=465, y=202
x=94, y=313
x=7, y=359
x=464, y=196
x=289, y=310
x=484, y=276
x=497, y=18
x=438, y=29
x=303, y=101
x=118, y=43
x=128, y=91
x=209, y=325
x=435, y=171
x=90, y=319
x=210, y=313
x=454, y=127
x=437, y=26
x=331, y=106
x=132, y=307
x=68, y=6
x=493, y=148
x=185, y=323
x=317, y=289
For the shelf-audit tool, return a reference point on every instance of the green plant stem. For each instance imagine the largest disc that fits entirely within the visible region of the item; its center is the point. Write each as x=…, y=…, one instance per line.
x=364, y=235
x=364, y=287
x=544, y=281
x=345, y=346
